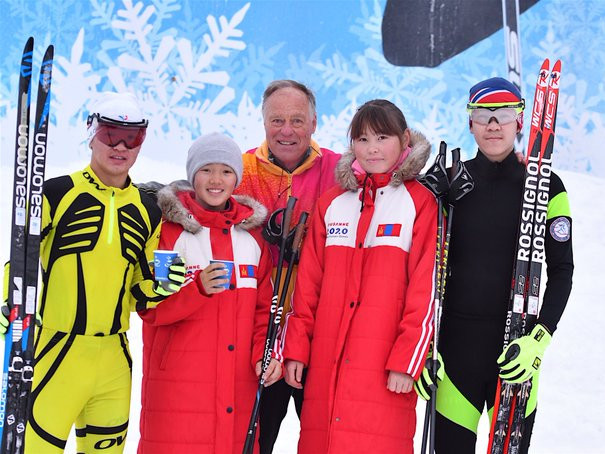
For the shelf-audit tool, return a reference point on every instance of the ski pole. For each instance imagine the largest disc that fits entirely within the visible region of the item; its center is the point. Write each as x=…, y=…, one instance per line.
x=275, y=313
x=272, y=333
x=460, y=183
x=443, y=276
x=437, y=181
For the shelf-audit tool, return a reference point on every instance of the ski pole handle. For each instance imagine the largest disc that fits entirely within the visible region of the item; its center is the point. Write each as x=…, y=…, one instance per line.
x=299, y=235
x=436, y=179
x=288, y=218
x=455, y=162
x=285, y=229
x=442, y=148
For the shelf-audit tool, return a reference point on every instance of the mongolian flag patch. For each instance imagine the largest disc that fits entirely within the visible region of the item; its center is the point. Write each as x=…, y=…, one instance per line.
x=388, y=230
x=248, y=271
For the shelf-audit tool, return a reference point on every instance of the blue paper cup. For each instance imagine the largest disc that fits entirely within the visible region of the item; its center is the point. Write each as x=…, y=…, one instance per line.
x=228, y=265
x=162, y=261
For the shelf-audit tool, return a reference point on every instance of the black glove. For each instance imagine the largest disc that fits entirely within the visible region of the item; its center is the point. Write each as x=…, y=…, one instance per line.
x=425, y=385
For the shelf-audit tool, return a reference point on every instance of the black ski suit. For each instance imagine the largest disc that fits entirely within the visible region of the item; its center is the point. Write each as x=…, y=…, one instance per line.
x=481, y=259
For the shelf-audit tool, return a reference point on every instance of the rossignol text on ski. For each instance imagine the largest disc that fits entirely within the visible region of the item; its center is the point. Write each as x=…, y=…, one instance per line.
x=511, y=399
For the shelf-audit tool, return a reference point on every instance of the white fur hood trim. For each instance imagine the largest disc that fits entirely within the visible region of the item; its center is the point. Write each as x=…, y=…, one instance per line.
x=409, y=169
x=174, y=211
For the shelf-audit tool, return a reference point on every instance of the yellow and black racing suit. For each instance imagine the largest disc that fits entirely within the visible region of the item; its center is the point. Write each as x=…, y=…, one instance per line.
x=97, y=242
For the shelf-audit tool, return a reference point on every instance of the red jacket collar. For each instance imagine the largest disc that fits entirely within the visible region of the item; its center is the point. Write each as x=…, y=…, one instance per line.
x=233, y=215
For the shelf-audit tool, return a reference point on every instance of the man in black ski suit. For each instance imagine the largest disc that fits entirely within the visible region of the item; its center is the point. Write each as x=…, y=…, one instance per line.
x=481, y=259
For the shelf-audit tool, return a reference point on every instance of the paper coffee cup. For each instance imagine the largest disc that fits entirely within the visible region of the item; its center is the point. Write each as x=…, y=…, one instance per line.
x=162, y=261
x=228, y=265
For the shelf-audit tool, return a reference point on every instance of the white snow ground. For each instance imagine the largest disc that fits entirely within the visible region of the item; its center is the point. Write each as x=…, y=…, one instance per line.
x=572, y=396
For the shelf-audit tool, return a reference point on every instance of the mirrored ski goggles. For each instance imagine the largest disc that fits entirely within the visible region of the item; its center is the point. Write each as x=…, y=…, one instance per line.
x=112, y=132
x=503, y=115
x=113, y=135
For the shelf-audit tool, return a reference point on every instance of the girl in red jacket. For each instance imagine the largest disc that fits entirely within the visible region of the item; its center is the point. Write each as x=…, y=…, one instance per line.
x=361, y=319
x=203, y=345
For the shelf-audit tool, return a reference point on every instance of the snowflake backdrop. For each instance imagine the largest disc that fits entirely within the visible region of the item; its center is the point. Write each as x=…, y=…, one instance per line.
x=201, y=65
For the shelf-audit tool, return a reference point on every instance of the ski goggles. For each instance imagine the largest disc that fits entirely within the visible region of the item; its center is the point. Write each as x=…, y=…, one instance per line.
x=112, y=133
x=112, y=136
x=504, y=113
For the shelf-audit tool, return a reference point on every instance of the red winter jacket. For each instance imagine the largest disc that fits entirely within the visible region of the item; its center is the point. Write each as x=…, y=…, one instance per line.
x=199, y=351
x=362, y=308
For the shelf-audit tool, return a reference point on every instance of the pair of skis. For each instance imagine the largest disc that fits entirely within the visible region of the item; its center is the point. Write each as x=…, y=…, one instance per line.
x=27, y=198
x=290, y=241
x=511, y=399
x=448, y=189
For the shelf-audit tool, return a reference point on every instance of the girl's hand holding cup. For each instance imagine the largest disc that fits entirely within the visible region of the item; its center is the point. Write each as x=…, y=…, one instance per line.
x=215, y=277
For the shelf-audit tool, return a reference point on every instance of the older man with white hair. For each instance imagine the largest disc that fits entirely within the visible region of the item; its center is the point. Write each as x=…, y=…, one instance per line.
x=288, y=162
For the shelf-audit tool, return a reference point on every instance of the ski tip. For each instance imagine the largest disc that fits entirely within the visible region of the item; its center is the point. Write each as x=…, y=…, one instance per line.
x=555, y=76
x=543, y=73
x=26, y=65
x=50, y=52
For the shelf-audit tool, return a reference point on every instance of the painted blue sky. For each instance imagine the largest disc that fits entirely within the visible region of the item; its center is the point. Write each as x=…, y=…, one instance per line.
x=200, y=66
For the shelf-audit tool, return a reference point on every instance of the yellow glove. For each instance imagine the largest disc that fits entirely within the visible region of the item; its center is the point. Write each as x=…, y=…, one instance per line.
x=176, y=277
x=521, y=359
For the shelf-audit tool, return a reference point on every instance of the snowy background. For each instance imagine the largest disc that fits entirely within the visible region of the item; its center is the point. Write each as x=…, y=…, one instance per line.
x=201, y=66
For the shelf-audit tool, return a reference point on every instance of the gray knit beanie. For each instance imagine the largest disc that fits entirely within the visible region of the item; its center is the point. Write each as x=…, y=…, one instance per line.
x=214, y=148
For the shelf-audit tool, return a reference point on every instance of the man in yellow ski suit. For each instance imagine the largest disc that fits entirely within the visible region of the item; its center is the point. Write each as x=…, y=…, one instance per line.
x=99, y=232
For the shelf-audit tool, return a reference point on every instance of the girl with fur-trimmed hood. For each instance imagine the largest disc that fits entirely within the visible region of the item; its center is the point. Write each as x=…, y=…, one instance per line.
x=361, y=318
x=203, y=345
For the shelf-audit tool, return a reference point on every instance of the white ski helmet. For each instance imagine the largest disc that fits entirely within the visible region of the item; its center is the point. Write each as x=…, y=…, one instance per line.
x=116, y=109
